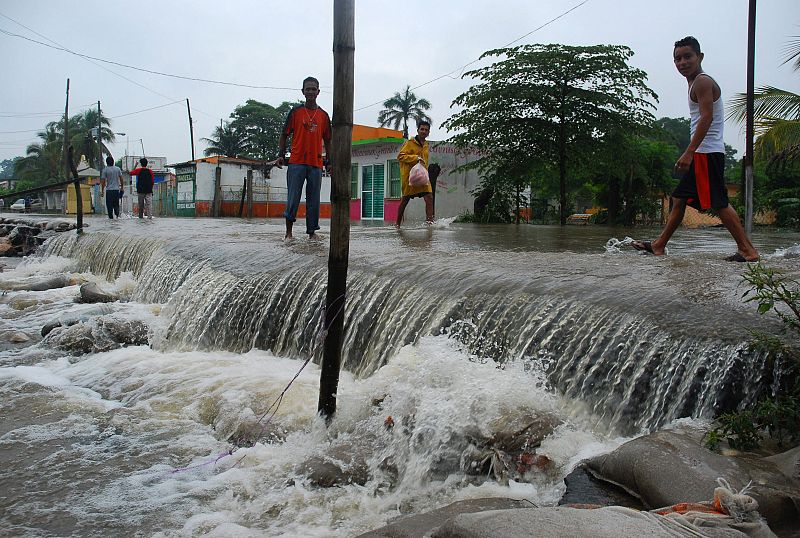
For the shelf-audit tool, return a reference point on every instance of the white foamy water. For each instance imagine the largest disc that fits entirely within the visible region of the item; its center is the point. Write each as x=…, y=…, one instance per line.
x=137, y=441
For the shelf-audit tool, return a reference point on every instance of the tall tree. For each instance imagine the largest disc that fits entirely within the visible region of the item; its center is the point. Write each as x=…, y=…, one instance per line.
x=260, y=124
x=7, y=168
x=631, y=174
x=226, y=140
x=555, y=101
x=676, y=130
x=44, y=159
x=401, y=107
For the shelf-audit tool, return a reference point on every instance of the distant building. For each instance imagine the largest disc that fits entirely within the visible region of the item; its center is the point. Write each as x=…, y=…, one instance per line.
x=375, y=177
x=130, y=202
x=374, y=182
x=202, y=182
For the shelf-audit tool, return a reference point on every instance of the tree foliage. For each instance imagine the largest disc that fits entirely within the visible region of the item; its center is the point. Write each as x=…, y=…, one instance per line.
x=555, y=103
x=227, y=141
x=631, y=173
x=401, y=107
x=676, y=130
x=7, y=168
x=44, y=160
x=260, y=125
x=776, y=116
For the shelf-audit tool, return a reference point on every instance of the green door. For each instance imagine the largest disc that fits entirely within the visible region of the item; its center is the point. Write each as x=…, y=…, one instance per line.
x=372, y=192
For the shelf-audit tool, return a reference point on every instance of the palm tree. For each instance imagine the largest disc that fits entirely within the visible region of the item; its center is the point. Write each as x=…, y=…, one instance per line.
x=776, y=116
x=43, y=159
x=402, y=106
x=226, y=140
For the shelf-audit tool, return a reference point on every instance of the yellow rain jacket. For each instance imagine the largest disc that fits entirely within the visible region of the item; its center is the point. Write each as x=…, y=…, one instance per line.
x=407, y=157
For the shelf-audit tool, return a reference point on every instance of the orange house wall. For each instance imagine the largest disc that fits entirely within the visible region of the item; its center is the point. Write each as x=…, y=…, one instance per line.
x=260, y=210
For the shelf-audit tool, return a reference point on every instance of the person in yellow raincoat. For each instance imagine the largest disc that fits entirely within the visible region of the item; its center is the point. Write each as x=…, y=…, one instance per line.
x=413, y=151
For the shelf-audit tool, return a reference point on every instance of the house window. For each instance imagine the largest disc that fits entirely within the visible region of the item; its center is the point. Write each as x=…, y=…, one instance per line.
x=395, y=190
x=372, y=190
x=354, y=181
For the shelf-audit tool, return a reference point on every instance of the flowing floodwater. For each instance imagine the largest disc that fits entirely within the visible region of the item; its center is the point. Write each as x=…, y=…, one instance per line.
x=457, y=332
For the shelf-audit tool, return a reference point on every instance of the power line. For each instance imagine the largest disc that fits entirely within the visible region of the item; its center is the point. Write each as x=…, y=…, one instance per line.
x=151, y=71
x=109, y=117
x=4, y=114
x=62, y=47
x=145, y=110
x=478, y=59
x=87, y=59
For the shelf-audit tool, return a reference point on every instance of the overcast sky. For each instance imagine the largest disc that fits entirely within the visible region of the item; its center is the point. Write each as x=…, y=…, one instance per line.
x=277, y=44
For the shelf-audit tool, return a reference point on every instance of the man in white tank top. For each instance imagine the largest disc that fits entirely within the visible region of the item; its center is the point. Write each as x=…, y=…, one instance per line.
x=703, y=162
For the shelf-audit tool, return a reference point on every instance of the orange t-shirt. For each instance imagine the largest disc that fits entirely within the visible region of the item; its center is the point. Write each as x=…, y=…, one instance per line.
x=308, y=129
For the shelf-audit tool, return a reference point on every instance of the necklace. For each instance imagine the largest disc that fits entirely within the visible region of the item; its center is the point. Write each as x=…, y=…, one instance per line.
x=312, y=123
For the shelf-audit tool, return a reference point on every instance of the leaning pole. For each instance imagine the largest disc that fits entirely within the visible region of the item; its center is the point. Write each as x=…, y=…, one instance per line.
x=343, y=54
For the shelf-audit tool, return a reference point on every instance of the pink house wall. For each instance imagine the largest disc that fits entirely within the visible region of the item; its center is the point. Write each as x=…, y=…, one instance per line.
x=355, y=209
x=390, y=209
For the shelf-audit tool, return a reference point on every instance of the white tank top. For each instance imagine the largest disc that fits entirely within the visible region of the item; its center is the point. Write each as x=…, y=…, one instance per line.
x=713, y=141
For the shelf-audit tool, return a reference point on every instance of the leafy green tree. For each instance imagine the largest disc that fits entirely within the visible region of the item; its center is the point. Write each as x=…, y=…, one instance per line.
x=226, y=140
x=676, y=130
x=557, y=102
x=260, y=126
x=44, y=159
x=401, y=107
x=631, y=175
x=7, y=168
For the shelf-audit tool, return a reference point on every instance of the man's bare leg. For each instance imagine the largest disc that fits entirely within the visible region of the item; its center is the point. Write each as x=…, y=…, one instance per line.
x=288, y=229
x=731, y=221
x=401, y=210
x=673, y=221
x=428, y=208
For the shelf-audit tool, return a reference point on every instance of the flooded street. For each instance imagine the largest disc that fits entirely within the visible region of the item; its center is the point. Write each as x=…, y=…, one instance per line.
x=456, y=332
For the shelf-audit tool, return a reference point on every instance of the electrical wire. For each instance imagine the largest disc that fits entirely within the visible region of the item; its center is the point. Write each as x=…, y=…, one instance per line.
x=449, y=75
x=151, y=71
x=145, y=110
x=134, y=82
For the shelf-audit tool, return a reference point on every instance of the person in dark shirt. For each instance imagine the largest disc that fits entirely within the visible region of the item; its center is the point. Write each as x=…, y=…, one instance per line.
x=144, y=188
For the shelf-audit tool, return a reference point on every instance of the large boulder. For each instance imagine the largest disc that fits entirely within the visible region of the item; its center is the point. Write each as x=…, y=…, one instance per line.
x=91, y=293
x=341, y=464
x=40, y=284
x=671, y=467
x=97, y=335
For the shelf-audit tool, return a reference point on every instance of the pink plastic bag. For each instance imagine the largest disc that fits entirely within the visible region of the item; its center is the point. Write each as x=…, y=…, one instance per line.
x=418, y=176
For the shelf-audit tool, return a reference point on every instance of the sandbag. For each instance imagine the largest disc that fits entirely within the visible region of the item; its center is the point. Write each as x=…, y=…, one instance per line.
x=670, y=467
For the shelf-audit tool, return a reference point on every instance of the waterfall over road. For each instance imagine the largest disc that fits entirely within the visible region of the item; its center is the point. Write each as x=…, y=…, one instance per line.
x=675, y=346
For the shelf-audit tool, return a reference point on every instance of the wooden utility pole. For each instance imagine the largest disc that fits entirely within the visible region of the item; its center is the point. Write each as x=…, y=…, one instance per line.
x=69, y=168
x=99, y=141
x=191, y=127
x=66, y=135
x=748, y=156
x=249, y=187
x=343, y=53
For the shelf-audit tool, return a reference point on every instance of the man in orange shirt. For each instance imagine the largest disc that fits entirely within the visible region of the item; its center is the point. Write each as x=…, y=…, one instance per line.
x=310, y=129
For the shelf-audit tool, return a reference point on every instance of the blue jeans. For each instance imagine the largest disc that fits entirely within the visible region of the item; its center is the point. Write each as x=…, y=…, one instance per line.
x=295, y=176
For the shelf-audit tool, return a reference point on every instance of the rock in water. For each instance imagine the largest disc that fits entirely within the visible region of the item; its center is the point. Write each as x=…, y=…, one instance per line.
x=91, y=293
